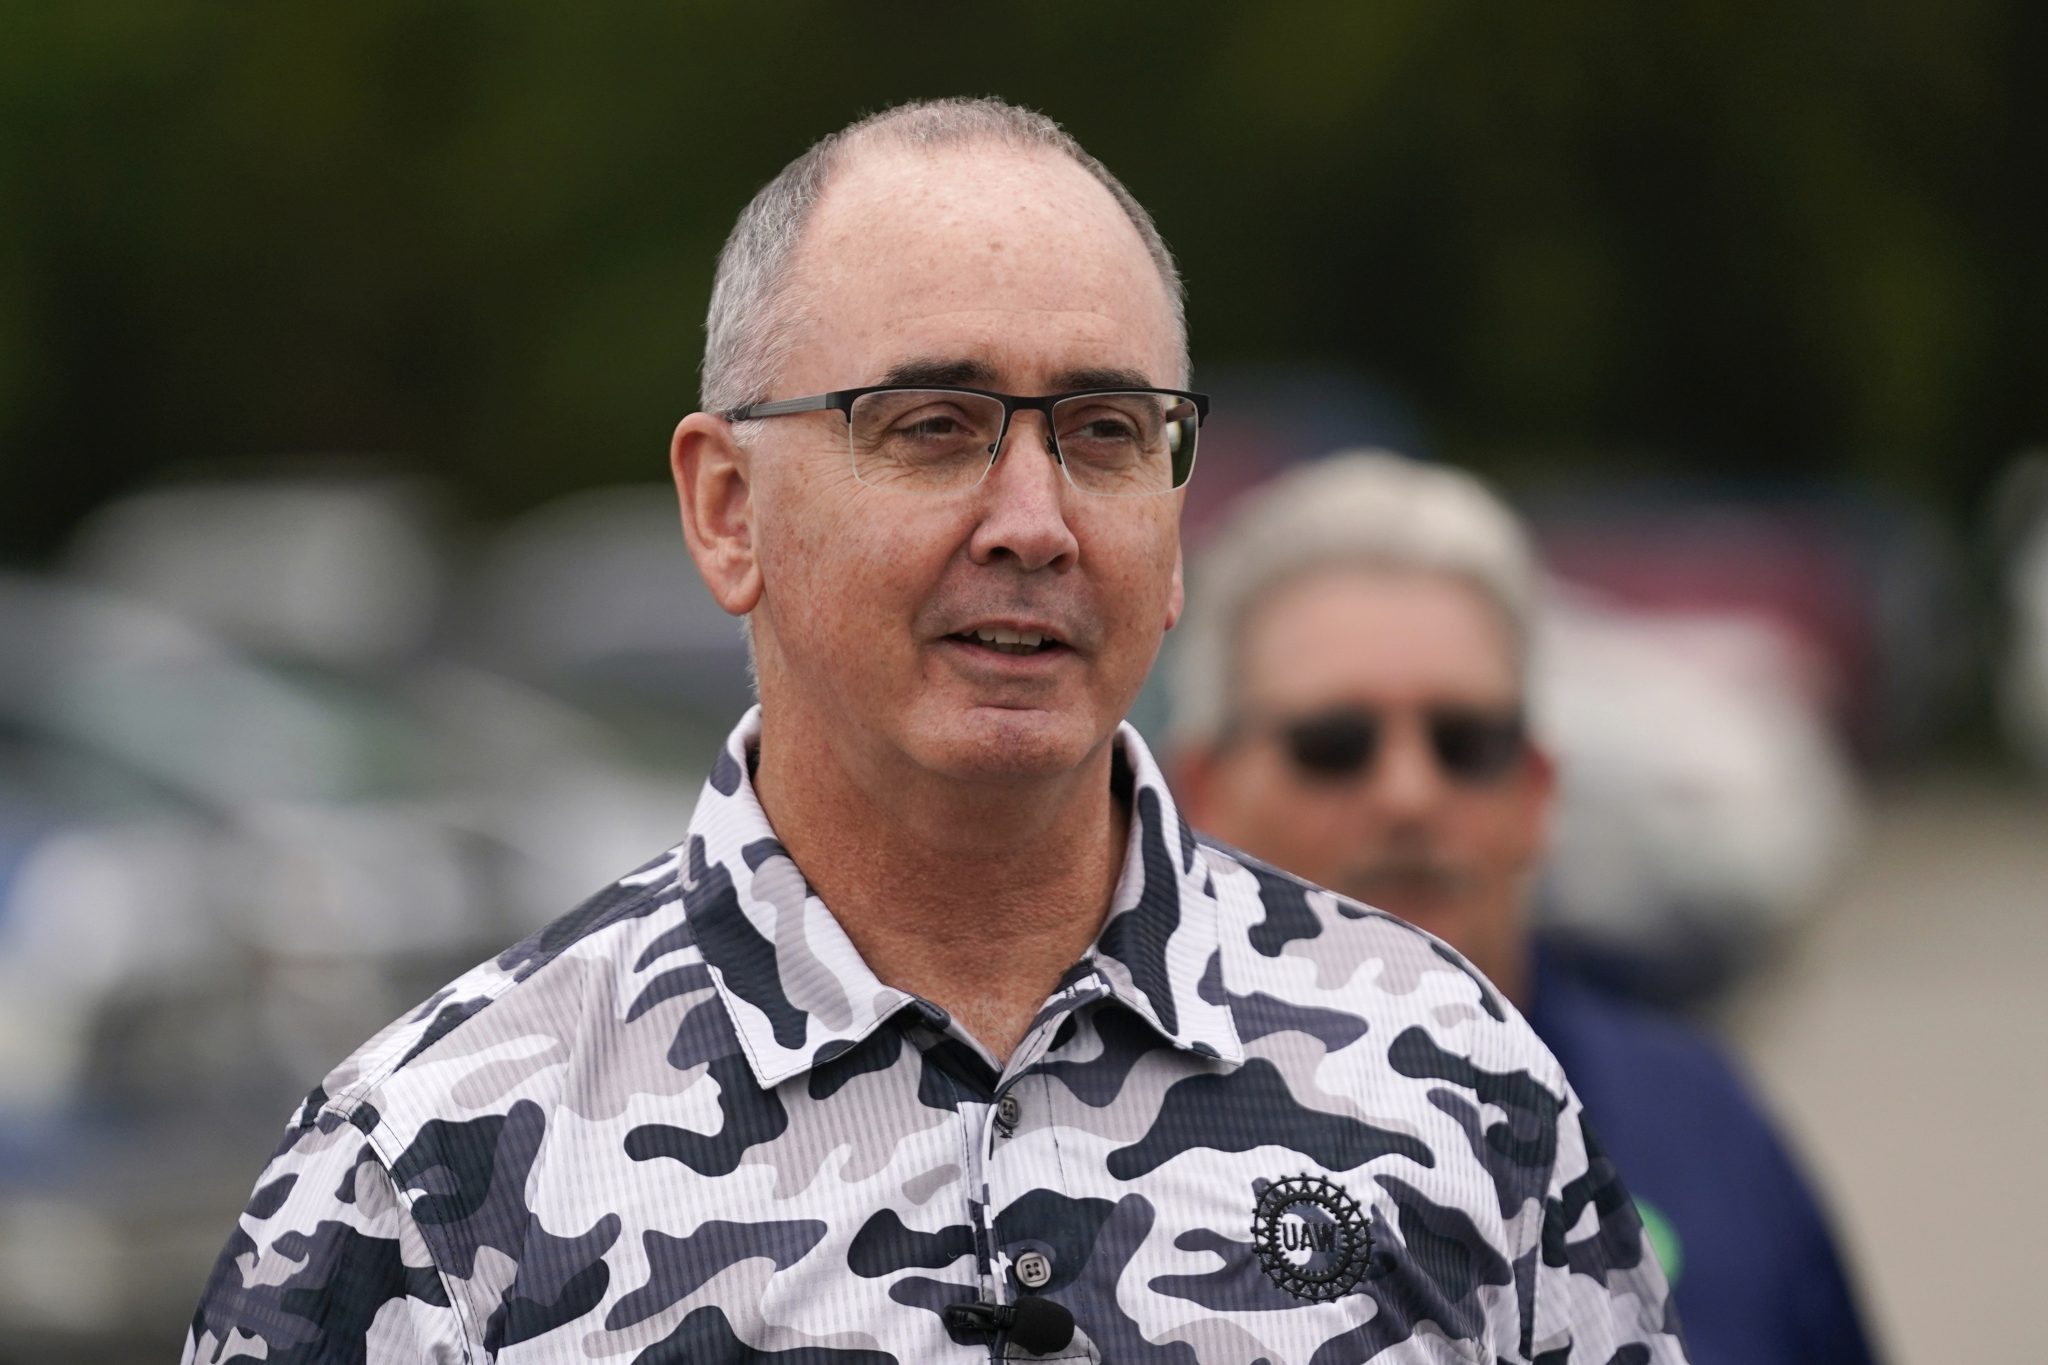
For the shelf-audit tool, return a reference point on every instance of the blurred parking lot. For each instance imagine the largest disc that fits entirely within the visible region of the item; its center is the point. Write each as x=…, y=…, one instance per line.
x=285, y=752
x=1900, y=1036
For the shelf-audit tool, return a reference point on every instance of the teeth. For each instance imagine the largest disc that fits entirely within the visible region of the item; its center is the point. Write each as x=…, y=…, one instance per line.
x=999, y=635
x=1010, y=641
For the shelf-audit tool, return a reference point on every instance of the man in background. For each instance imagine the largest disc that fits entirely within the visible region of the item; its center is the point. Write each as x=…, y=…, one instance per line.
x=1350, y=704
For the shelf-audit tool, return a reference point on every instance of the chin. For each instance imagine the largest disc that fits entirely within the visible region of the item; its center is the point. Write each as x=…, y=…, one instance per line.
x=996, y=743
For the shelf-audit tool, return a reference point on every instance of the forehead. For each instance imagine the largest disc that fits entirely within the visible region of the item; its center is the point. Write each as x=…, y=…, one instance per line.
x=1380, y=635
x=1016, y=259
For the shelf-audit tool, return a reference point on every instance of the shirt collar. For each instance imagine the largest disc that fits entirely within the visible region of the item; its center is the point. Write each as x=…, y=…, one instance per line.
x=798, y=992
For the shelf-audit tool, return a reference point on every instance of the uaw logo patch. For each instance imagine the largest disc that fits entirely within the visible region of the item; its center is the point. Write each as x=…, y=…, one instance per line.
x=1313, y=1239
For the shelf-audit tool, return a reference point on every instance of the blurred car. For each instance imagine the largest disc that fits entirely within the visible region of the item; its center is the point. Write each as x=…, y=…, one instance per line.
x=206, y=892
x=592, y=598
x=243, y=825
x=1726, y=661
x=1866, y=589
x=1705, y=803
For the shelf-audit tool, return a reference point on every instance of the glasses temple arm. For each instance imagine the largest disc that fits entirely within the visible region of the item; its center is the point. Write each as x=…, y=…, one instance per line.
x=782, y=407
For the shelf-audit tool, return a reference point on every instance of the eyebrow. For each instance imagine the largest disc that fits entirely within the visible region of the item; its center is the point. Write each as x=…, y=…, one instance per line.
x=1101, y=379
x=979, y=374
x=967, y=374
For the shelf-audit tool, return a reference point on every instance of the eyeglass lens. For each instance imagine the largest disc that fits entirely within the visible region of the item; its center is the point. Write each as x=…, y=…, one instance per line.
x=933, y=441
x=1469, y=745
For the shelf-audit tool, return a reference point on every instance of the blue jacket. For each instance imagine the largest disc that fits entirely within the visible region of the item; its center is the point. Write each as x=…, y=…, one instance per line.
x=1757, y=1278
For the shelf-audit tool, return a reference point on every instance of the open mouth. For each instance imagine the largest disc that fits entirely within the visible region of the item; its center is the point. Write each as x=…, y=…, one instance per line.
x=1006, y=641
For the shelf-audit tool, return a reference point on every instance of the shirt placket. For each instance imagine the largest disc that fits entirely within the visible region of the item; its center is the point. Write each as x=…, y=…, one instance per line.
x=1008, y=1167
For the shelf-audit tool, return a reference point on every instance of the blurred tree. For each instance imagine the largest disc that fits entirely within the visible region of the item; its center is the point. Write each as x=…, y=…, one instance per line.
x=1804, y=239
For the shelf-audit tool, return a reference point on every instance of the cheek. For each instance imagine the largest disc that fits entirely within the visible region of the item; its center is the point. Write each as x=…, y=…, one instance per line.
x=1140, y=581
x=797, y=569
x=1505, y=829
x=845, y=559
x=1272, y=811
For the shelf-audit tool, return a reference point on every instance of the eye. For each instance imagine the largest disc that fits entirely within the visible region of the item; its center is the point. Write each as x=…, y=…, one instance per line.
x=1106, y=427
x=930, y=426
x=1099, y=421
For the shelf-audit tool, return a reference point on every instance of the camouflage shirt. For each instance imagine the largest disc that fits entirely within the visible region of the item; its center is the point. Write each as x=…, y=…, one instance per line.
x=687, y=1124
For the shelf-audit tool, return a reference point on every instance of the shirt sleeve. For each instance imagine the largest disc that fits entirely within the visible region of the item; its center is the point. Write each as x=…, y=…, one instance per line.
x=1599, y=1296
x=326, y=1264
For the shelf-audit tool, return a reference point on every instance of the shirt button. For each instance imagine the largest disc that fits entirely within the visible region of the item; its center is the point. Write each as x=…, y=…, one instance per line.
x=1034, y=1271
x=1008, y=1111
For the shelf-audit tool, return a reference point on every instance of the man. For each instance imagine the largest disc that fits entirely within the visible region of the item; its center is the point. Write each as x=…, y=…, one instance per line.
x=1351, y=704
x=939, y=1037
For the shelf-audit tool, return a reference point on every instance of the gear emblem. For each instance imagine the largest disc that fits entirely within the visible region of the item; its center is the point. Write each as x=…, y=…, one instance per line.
x=1313, y=1238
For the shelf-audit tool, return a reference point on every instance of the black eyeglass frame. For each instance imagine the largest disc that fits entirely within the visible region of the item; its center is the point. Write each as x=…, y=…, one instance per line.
x=842, y=400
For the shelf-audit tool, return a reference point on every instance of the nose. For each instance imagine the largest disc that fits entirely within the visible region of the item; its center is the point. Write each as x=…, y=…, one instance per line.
x=1406, y=785
x=1023, y=503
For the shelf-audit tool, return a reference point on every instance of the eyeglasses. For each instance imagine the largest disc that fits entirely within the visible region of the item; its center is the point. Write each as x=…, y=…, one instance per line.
x=1116, y=442
x=1471, y=745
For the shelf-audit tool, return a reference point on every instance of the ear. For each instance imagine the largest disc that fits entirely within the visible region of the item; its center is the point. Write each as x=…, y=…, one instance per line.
x=1177, y=599
x=714, y=485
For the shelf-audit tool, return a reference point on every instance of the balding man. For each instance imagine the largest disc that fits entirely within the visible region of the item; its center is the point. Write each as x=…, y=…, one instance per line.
x=940, y=1036
x=1352, y=704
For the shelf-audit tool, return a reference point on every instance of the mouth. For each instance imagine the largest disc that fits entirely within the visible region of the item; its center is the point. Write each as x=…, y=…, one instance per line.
x=1408, y=885
x=1005, y=640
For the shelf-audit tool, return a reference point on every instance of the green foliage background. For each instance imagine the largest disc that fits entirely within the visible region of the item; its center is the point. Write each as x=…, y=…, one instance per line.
x=1799, y=240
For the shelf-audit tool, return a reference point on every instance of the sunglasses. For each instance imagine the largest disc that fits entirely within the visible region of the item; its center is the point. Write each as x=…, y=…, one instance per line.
x=1471, y=745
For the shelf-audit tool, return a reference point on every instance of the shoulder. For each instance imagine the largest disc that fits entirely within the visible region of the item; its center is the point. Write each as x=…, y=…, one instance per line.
x=414, y=1154
x=1366, y=1015
x=601, y=965
x=1287, y=941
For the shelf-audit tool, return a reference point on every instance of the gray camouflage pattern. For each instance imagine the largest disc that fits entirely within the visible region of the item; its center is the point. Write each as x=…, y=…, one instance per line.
x=686, y=1124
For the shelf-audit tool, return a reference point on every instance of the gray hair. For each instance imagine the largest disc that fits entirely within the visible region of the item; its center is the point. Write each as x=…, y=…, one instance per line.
x=754, y=319
x=1370, y=509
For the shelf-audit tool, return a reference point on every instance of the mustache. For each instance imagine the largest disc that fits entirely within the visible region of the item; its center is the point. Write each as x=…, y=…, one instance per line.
x=1071, y=622
x=1411, y=869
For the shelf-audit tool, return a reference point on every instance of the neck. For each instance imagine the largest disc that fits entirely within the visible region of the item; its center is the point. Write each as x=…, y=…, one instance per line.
x=975, y=895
